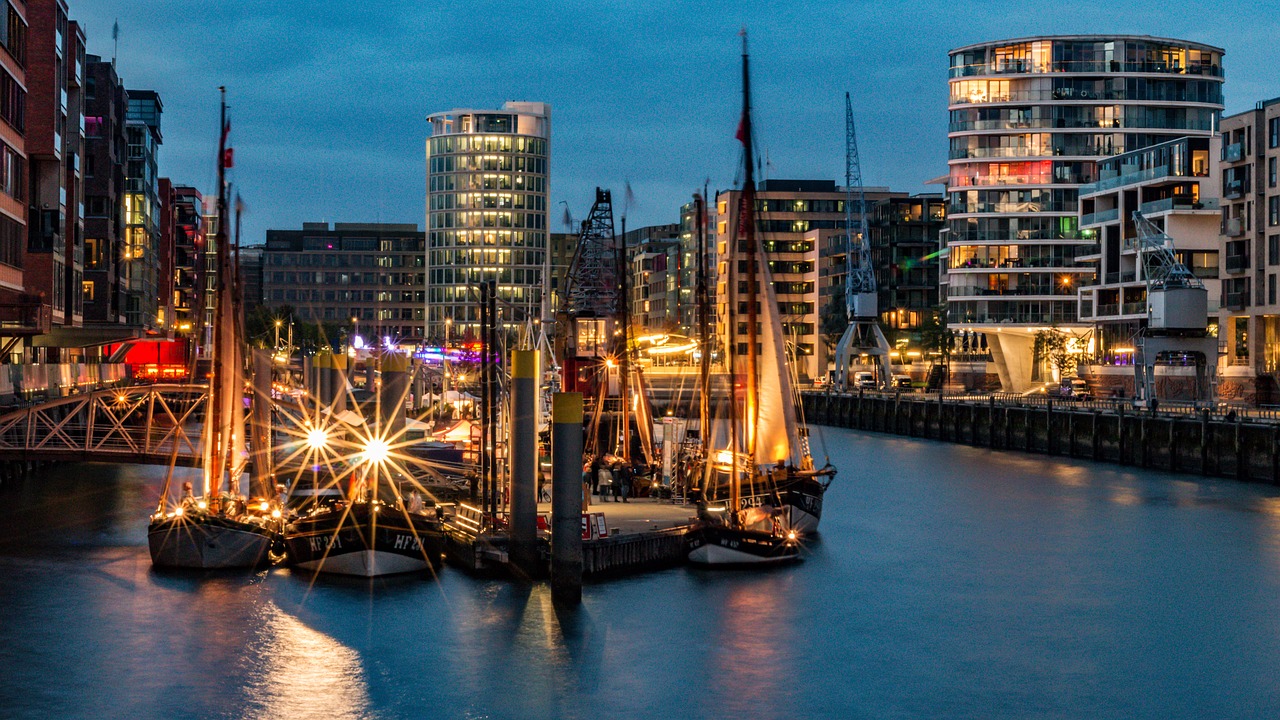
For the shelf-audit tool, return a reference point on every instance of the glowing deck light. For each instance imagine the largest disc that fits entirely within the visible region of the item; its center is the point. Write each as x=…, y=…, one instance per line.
x=724, y=457
x=376, y=451
x=202, y=505
x=264, y=506
x=791, y=535
x=275, y=514
x=178, y=512
x=317, y=438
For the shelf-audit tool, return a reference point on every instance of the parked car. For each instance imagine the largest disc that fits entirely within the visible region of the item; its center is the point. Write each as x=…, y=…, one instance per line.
x=901, y=381
x=864, y=380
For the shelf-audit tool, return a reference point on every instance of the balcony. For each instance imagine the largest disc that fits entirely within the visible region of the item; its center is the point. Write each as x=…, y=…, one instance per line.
x=1134, y=308
x=1233, y=189
x=1233, y=152
x=1179, y=203
x=1236, y=300
x=1233, y=228
x=1098, y=218
x=28, y=316
x=1112, y=183
x=1236, y=263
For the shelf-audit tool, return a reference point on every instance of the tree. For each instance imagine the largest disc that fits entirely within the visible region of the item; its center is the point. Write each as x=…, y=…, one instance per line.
x=260, y=329
x=936, y=336
x=835, y=320
x=1055, y=346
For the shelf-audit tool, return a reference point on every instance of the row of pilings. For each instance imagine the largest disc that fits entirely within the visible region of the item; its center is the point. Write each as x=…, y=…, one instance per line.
x=1194, y=442
x=13, y=472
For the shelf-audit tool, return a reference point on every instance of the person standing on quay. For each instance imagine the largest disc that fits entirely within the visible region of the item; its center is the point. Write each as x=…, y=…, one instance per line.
x=624, y=481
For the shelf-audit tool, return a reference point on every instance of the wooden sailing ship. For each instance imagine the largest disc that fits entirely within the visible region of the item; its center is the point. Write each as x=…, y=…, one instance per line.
x=219, y=528
x=762, y=470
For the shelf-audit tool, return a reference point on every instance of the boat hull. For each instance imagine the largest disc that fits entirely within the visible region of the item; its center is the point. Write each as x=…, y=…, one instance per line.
x=363, y=543
x=715, y=545
x=208, y=543
x=801, y=503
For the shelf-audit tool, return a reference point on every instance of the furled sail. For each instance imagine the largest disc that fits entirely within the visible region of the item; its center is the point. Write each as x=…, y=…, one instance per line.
x=776, y=419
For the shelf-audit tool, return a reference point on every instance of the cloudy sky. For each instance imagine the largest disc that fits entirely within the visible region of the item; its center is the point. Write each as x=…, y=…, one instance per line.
x=329, y=98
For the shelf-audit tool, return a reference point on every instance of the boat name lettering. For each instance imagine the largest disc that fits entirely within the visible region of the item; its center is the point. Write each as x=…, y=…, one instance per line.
x=407, y=542
x=324, y=542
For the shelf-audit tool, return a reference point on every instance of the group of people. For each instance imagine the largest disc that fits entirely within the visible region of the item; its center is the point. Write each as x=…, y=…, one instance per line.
x=610, y=477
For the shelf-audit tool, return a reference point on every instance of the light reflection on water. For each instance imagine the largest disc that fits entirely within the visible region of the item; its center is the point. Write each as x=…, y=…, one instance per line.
x=297, y=672
x=951, y=581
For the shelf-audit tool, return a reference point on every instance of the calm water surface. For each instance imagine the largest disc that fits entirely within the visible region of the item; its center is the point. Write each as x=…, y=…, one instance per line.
x=950, y=582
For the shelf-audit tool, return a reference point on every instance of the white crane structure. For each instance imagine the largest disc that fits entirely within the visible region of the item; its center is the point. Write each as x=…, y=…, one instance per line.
x=863, y=335
x=1177, y=317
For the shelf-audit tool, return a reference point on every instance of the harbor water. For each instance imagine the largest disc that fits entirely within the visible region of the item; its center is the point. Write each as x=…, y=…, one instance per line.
x=949, y=581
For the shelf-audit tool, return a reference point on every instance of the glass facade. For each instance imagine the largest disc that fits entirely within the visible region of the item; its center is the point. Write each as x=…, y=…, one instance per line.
x=487, y=189
x=1030, y=120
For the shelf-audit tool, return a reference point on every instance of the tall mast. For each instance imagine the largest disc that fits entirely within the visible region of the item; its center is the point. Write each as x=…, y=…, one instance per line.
x=219, y=418
x=624, y=357
x=704, y=331
x=747, y=234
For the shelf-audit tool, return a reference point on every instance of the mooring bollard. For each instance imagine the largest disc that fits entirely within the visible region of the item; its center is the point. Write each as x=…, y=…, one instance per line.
x=524, y=461
x=566, y=498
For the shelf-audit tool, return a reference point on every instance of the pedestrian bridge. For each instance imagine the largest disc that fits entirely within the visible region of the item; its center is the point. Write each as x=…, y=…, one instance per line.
x=142, y=424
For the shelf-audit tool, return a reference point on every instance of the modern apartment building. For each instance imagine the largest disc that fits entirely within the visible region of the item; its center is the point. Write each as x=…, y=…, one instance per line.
x=104, y=162
x=801, y=224
x=1250, y=227
x=653, y=257
x=140, y=280
x=903, y=234
x=1029, y=120
x=181, y=259
x=366, y=277
x=1172, y=186
x=488, y=177
x=21, y=315
x=562, y=248
x=54, y=264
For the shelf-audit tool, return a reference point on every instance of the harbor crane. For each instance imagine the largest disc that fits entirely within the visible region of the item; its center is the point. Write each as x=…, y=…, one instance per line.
x=863, y=335
x=1177, y=314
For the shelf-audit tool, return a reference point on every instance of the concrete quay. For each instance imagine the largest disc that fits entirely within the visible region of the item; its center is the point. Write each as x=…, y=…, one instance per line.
x=1195, y=442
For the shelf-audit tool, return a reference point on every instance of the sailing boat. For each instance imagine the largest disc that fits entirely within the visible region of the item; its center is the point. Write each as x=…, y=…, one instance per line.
x=767, y=447
x=371, y=529
x=217, y=529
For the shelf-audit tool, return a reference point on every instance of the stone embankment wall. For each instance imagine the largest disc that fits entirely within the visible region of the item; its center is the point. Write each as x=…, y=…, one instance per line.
x=1199, y=443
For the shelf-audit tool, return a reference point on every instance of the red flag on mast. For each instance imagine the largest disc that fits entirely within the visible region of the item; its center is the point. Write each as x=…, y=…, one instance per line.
x=228, y=154
x=742, y=130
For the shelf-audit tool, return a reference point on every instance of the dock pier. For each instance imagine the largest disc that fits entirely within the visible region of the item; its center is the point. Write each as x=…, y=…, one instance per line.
x=1185, y=440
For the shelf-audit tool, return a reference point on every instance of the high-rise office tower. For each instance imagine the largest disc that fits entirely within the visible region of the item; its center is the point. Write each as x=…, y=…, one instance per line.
x=487, y=186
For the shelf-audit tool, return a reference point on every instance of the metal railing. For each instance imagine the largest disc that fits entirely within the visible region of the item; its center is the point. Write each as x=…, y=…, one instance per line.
x=1102, y=216
x=1178, y=203
x=1220, y=411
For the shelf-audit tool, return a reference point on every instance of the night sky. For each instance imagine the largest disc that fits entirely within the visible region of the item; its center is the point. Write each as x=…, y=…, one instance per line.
x=329, y=99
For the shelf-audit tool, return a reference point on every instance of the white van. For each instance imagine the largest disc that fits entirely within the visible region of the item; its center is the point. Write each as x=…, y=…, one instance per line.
x=864, y=380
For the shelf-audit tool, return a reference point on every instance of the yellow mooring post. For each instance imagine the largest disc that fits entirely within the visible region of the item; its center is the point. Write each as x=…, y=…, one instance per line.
x=566, y=498
x=523, y=461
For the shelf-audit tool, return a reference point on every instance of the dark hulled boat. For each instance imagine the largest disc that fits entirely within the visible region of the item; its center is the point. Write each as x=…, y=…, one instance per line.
x=364, y=539
x=203, y=540
x=756, y=539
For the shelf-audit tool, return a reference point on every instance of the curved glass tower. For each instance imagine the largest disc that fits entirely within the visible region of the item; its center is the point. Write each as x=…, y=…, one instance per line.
x=1029, y=119
x=487, y=188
